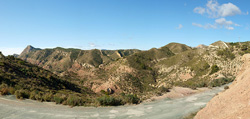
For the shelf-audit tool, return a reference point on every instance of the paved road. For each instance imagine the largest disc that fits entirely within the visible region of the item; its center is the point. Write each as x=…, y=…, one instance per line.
x=11, y=108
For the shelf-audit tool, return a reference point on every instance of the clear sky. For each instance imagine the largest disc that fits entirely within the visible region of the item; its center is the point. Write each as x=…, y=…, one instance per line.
x=120, y=24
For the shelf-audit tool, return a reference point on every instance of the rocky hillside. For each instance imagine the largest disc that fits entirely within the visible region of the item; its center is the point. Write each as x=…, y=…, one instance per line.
x=233, y=103
x=59, y=59
x=144, y=73
x=177, y=47
x=26, y=80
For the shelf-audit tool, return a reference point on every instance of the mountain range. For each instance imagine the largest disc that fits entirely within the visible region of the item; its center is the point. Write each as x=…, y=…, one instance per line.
x=136, y=74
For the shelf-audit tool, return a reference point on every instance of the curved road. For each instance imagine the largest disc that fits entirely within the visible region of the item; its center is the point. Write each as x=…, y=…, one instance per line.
x=11, y=108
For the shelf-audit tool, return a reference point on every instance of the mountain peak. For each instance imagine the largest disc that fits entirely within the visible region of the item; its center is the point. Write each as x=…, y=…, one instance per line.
x=219, y=44
x=177, y=47
x=28, y=49
x=201, y=46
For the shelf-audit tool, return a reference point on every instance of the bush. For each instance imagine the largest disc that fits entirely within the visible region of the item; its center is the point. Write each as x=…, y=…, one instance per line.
x=22, y=94
x=131, y=99
x=75, y=100
x=226, y=87
x=39, y=96
x=214, y=69
x=33, y=95
x=226, y=53
x=104, y=92
x=220, y=82
x=58, y=98
x=21, y=62
x=164, y=89
x=4, y=91
x=109, y=101
x=48, y=97
x=12, y=90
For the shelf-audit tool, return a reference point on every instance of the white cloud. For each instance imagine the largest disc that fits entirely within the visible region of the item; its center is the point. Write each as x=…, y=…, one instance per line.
x=219, y=23
x=214, y=10
x=92, y=44
x=199, y=10
x=180, y=26
x=223, y=21
x=206, y=26
x=229, y=28
x=229, y=9
x=196, y=24
x=236, y=25
x=11, y=51
x=247, y=12
x=210, y=26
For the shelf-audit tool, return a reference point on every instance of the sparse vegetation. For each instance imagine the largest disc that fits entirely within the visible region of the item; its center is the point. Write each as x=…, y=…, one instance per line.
x=109, y=101
x=130, y=99
x=226, y=54
x=214, y=69
x=220, y=82
x=28, y=81
x=143, y=70
x=226, y=87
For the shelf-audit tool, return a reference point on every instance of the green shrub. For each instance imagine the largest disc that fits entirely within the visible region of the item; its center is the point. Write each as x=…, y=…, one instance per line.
x=22, y=94
x=33, y=95
x=104, y=92
x=109, y=101
x=75, y=100
x=214, y=69
x=164, y=89
x=226, y=53
x=12, y=90
x=48, y=96
x=21, y=62
x=59, y=98
x=39, y=96
x=220, y=82
x=4, y=91
x=2, y=63
x=131, y=99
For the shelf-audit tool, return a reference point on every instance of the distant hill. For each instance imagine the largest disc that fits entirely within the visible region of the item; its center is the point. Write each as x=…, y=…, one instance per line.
x=219, y=44
x=26, y=80
x=201, y=46
x=61, y=59
x=177, y=47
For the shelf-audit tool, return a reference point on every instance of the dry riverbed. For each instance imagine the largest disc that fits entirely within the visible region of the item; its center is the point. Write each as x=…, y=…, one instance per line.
x=182, y=103
x=177, y=92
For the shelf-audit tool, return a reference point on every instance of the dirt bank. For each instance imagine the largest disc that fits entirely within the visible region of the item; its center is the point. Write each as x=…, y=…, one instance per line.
x=234, y=103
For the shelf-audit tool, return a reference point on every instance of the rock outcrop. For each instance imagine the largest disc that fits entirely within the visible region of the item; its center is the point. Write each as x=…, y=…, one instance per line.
x=28, y=49
x=201, y=46
x=233, y=103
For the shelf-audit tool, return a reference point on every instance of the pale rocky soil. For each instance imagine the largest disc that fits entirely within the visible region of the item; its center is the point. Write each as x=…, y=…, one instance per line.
x=177, y=92
x=233, y=103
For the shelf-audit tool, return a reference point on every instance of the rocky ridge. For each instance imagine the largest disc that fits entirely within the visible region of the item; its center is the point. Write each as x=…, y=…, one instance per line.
x=142, y=72
x=234, y=102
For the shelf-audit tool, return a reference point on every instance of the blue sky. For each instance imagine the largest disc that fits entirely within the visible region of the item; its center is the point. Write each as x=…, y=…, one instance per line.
x=120, y=24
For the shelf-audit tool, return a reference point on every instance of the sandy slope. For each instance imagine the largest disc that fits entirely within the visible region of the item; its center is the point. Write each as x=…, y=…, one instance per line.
x=233, y=103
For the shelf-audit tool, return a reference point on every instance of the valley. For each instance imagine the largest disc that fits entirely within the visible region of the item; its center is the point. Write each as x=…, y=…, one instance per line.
x=160, y=109
x=118, y=77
